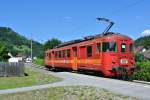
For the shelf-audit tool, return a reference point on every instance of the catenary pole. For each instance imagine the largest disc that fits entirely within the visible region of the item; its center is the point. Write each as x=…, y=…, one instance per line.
x=31, y=47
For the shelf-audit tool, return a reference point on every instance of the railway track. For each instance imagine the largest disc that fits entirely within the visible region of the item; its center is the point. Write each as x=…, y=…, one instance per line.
x=38, y=66
x=135, y=81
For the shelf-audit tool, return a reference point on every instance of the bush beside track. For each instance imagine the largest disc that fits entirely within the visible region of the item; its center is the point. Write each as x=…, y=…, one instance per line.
x=142, y=71
x=39, y=61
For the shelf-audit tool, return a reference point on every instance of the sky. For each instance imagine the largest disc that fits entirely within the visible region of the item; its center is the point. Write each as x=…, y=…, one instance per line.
x=74, y=19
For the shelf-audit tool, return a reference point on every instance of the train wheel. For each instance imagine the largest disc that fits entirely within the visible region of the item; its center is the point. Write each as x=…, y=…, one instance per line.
x=54, y=69
x=48, y=67
x=125, y=75
x=74, y=71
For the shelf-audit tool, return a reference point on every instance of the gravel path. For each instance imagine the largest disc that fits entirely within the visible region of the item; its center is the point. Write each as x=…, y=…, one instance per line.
x=141, y=91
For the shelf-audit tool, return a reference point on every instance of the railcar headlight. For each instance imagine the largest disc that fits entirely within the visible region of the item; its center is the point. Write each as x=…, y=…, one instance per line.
x=123, y=61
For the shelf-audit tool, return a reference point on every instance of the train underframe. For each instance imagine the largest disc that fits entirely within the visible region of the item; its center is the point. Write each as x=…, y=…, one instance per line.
x=120, y=72
x=116, y=72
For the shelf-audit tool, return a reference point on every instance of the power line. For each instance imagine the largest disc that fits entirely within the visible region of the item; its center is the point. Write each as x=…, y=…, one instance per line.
x=111, y=14
x=119, y=10
x=126, y=7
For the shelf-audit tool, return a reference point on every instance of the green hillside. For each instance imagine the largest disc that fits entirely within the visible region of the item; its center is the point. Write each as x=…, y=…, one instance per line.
x=143, y=41
x=18, y=44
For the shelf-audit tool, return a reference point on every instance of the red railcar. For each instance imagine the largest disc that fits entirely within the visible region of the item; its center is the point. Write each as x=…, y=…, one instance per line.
x=109, y=53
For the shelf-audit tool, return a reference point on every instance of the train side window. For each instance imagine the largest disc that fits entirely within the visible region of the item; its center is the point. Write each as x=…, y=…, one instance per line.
x=49, y=55
x=56, y=54
x=89, y=51
x=59, y=54
x=109, y=47
x=98, y=47
x=75, y=51
x=131, y=47
x=63, y=54
x=123, y=47
x=68, y=53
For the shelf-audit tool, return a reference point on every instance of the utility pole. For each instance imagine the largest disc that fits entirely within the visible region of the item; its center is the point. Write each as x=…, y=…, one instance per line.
x=31, y=48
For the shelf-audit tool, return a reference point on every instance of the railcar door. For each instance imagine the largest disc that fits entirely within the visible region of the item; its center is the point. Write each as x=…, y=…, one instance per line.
x=74, y=61
x=98, y=55
x=52, y=59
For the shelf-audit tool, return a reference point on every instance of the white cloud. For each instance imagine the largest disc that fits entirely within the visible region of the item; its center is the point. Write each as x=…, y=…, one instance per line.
x=146, y=32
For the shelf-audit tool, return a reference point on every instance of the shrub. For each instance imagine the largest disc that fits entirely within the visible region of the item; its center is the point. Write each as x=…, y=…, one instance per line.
x=39, y=61
x=142, y=71
x=139, y=57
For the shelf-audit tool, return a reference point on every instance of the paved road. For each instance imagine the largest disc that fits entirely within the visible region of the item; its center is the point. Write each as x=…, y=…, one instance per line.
x=116, y=86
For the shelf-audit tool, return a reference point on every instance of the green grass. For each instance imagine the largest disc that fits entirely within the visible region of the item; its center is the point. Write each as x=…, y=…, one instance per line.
x=39, y=61
x=33, y=78
x=67, y=93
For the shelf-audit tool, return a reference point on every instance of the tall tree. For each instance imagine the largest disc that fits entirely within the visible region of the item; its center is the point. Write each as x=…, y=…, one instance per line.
x=51, y=43
x=3, y=52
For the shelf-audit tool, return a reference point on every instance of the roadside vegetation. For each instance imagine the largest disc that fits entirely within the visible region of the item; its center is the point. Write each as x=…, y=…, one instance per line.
x=67, y=93
x=39, y=61
x=33, y=78
x=142, y=64
x=142, y=71
x=3, y=52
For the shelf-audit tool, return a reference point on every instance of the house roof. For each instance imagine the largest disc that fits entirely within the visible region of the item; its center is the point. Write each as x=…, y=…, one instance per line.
x=147, y=54
x=138, y=49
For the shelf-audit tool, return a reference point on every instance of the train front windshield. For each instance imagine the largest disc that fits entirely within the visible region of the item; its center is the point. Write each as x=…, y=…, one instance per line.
x=109, y=47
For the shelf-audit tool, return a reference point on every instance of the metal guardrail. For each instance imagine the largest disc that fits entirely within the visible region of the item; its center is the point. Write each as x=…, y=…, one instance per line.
x=11, y=69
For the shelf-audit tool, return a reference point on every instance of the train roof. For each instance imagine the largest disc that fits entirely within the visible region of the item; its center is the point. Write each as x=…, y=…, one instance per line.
x=90, y=38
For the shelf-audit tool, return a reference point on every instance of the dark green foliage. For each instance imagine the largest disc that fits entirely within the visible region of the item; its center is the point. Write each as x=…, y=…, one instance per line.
x=142, y=71
x=38, y=49
x=17, y=44
x=139, y=57
x=39, y=61
x=3, y=52
x=51, y=43
x=9, y=36
x=143, y=41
